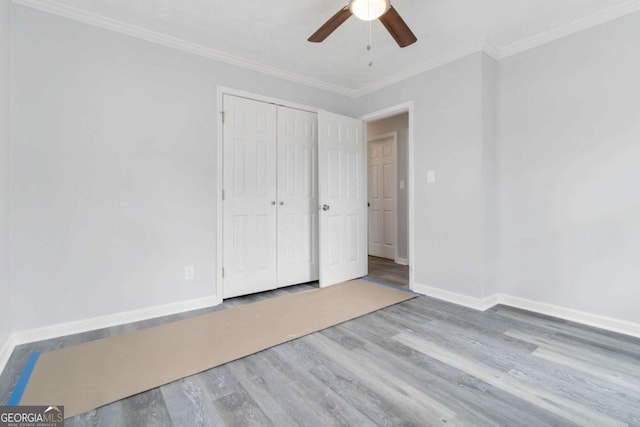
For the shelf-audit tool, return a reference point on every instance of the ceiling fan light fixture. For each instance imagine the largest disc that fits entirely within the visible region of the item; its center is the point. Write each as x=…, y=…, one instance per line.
x=368, y=10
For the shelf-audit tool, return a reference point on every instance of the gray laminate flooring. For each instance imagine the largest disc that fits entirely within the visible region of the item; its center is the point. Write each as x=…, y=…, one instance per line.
x=387, y=271
x=422, y=362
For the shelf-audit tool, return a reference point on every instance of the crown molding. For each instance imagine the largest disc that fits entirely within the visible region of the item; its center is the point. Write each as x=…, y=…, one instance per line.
x=497, y=52
x=54, y=8
x=490, y=47
x=571, y=28
x=422, y=68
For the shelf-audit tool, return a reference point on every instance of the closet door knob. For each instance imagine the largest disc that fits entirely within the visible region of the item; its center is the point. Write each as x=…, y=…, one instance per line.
x=281, y=203
x=326, y=207
x=273, y=202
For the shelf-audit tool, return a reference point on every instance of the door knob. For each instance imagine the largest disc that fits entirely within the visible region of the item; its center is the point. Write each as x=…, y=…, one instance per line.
x=281, y=203
x=326, y=207
x=273, y=202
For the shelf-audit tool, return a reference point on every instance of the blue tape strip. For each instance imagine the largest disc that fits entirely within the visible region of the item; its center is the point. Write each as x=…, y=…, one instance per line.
x=23, y=380
x=377, y=282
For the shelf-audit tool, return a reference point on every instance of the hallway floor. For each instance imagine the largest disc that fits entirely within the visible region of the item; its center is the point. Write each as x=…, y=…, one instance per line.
x=387, y=271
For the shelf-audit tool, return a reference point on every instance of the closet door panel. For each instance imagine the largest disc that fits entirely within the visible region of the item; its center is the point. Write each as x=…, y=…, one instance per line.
x=297, y=197
x=250, y=190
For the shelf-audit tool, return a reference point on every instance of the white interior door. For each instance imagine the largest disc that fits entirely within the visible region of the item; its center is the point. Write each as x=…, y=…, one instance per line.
x=382, y=197
x=297, y=197
x=341, y=188
x=249, y=220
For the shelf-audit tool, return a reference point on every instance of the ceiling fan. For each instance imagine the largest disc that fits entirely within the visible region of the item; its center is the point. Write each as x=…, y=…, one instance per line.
x=368, y=10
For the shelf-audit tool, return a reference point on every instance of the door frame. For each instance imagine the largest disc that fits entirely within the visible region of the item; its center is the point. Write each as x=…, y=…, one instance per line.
x=221, y=91
x=394, y=110
x=374, y=140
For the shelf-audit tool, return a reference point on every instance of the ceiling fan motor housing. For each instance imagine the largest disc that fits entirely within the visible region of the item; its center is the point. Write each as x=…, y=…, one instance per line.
x=368, y=10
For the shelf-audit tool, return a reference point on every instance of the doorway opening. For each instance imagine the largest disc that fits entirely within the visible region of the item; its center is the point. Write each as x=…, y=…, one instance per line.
x=388, y=176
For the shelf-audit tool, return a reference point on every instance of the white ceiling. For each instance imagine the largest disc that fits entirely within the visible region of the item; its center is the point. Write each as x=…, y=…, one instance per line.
x=272, y=35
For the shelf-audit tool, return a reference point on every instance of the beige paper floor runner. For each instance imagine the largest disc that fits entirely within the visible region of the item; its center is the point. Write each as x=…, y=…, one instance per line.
x=85, y=376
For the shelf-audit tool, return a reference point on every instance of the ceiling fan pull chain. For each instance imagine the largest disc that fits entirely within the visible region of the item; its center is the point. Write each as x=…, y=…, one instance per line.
x=370, y=47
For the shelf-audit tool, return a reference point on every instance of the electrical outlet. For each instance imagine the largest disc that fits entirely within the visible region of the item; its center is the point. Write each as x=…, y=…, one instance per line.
x=189, y=272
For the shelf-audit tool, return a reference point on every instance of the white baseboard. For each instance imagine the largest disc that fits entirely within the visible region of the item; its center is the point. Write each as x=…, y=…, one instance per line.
x=456, y=298
x=402, y=261
x=597, y=321
x=482, y=304
x=603, y=322
x=70, y=328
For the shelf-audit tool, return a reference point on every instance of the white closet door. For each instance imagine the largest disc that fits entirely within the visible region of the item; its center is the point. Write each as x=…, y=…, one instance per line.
x=342, y=195
x=297, y=197
x=249, y=222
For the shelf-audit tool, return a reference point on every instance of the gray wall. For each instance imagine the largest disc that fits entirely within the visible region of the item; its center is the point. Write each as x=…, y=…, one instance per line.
x=450, y=228
x=400, y=124
x=114, y=171
x=489, y=179
x=5, y=85
x=570, y=171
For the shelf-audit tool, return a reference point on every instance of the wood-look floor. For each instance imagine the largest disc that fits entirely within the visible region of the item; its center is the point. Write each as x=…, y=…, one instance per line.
x=387, y=271
x=422, y=362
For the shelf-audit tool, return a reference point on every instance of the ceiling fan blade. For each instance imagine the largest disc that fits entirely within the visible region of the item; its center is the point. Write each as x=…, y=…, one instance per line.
x=398, y=29
x=331, y=25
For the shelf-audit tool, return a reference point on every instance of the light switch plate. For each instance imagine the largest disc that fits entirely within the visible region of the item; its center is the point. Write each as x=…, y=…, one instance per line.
x=431, y=177
x=402, y=184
